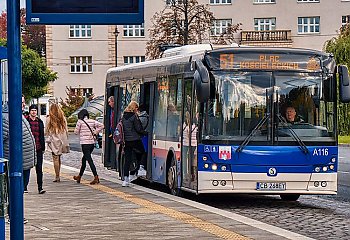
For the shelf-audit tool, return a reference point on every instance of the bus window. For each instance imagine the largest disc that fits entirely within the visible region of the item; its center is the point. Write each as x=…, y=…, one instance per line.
x=174, y=108
x=161, y=98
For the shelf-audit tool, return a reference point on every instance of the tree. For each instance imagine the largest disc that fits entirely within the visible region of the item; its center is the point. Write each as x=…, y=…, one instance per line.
x=33, y=36
x=35, y=74
x=74, y=100
x=183, y=22
x=340, y=47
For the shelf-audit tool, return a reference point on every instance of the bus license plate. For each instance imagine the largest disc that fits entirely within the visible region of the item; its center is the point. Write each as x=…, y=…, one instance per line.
x=271, y=186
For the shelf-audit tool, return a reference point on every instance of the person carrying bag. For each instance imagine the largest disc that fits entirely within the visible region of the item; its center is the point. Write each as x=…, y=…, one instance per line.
x=87, y=140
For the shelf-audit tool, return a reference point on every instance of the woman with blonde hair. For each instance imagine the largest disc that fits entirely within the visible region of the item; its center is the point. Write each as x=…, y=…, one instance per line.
x=57, y=136
x=133, y=131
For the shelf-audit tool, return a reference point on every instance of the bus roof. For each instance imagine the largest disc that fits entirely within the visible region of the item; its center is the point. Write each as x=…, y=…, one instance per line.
x=185, y=54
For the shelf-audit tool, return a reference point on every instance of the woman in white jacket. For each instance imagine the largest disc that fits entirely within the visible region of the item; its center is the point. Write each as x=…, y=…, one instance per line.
x=57, y=137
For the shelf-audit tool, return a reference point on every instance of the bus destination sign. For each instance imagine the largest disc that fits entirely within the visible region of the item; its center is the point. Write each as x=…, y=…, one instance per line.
x=267, y=62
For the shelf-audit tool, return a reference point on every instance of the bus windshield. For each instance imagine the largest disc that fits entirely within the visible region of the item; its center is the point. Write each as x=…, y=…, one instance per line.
x=275, y=104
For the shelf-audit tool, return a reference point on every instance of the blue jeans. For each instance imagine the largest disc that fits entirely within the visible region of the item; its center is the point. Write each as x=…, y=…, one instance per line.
x=26, y=176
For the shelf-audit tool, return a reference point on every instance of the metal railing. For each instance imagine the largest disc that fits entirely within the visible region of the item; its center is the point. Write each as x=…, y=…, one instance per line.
x=266, y=36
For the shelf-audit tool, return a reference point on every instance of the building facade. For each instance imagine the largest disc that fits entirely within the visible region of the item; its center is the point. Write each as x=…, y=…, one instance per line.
x=81, y=54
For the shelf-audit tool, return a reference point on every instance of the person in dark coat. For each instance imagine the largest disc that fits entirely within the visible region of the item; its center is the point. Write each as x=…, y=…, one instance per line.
x=133, y=132
x=37, y=127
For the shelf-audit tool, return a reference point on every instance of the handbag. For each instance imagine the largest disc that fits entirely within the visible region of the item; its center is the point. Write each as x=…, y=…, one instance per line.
x=65, y=144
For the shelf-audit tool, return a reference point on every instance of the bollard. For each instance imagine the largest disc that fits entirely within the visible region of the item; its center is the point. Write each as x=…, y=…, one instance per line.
x=3, y=195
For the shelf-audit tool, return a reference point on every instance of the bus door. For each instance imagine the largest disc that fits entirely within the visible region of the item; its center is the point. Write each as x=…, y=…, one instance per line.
x=147, y=100
x=189, y=136
x=111, y=156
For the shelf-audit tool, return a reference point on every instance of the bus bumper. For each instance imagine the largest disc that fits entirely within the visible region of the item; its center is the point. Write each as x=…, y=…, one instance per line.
x=295, y=183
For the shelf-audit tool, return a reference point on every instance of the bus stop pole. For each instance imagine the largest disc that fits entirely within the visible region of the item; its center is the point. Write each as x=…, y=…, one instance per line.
x=2, y=202
x=15, y=119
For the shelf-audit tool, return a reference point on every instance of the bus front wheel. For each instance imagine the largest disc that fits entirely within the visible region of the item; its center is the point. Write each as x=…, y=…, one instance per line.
x=172, y=179
x=290, y=197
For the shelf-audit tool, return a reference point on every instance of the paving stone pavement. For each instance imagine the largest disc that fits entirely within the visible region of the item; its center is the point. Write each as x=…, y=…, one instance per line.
x=108, y=211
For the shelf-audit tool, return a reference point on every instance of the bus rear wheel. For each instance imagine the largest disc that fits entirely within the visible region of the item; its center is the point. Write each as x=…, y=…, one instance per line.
x=172, y=179
x=290, y=197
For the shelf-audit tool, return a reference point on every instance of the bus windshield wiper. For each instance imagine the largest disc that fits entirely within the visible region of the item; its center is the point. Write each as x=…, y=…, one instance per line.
x=294, y=135
x=252, y=133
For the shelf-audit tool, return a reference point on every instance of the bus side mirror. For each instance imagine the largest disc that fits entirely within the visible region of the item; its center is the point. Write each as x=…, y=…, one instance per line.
x=344, y=84
x=202, y=82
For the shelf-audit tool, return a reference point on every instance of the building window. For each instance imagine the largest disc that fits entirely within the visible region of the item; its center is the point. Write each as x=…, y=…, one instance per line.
x=133, y=59
x=264, y=24
x=308, y=24
x=302, y=1
x=345, y=20
x=81, y=91
x=80, y=31
x=134, y=30
x=173, y=2
x=219, y=26
x=264, y=1
x=81, y=64
x=214, y=2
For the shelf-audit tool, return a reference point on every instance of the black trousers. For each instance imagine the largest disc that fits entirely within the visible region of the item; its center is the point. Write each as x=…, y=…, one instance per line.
x=39, y=169
x=133, y=147
x=87, y=150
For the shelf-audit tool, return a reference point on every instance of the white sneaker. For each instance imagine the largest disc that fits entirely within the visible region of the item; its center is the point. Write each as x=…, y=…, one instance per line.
x=142, y=172
x=125, y=182
x=132, y=178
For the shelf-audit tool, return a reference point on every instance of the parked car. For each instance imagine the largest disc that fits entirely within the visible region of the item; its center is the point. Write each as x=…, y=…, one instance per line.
x=100, y=135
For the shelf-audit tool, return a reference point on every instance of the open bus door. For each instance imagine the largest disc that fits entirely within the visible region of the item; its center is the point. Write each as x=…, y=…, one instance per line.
x=111, y=150
x=147, y=99
x=189, y=136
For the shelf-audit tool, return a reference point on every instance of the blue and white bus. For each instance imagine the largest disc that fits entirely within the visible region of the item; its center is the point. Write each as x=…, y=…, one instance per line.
x=218, y=120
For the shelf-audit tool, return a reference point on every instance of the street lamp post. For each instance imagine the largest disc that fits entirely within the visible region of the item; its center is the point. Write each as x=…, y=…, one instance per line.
x=116, y=33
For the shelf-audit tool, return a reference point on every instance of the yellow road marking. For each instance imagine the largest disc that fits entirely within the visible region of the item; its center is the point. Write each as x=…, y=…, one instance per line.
x=154, y=207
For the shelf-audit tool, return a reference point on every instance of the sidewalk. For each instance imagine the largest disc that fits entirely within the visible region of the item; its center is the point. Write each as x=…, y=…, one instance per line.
x=108, y=211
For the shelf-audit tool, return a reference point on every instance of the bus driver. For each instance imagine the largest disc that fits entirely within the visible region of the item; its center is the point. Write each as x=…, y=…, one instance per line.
x=291, y=115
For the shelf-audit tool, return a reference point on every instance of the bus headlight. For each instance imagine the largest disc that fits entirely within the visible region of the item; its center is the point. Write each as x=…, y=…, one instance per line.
x=215, y=183
x=331, y=167
x=223, y=168
x=214, y=167
x=324, y=184
x=206, y=165
x=333, y=159
x=325, y=169
x=205, y=158
x=317, y=169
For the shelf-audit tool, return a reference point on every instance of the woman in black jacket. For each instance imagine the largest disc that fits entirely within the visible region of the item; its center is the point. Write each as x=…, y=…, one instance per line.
x=133, y=133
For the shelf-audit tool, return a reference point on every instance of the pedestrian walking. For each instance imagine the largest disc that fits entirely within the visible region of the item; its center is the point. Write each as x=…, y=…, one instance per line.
x=57, y=137
x=87, y=129
x=37, y=127
x=133, y=131
x=28, y=149
x=28, y=145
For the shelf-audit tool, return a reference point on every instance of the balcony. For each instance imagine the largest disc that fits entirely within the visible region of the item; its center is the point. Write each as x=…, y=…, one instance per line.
x=267, y=38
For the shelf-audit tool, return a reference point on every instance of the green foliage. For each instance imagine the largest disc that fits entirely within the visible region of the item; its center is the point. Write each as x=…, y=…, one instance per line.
x=344, y=139
x=35, y=74
x=340, y=47
x=72, y=121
